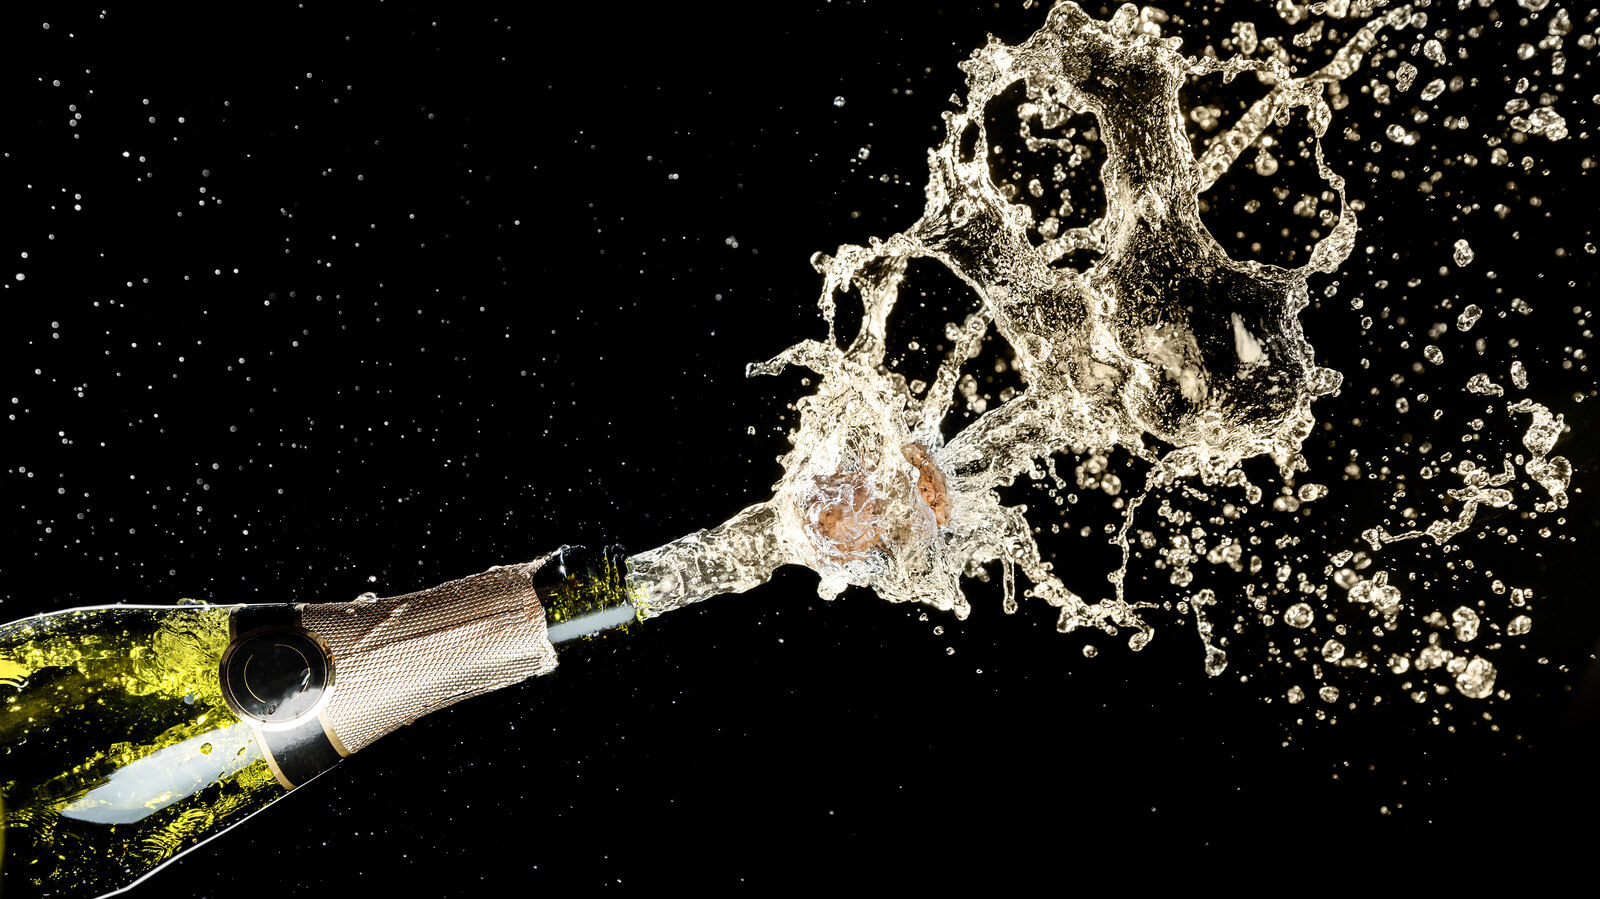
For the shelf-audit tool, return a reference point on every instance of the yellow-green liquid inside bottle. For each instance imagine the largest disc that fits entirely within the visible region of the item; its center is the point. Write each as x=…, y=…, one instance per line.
x=591, y=597
x=117, y=752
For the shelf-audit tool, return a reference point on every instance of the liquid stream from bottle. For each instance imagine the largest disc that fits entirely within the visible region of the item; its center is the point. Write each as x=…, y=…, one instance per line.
x=1134, y=330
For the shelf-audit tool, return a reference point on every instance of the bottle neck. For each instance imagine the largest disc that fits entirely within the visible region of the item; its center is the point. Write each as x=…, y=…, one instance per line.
x=586, y=594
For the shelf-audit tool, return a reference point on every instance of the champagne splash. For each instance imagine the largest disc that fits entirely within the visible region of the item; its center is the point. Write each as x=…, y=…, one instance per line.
x=1133, y=332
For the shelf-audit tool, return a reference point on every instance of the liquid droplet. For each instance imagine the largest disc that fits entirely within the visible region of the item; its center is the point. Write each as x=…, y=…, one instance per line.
x=1299, y=615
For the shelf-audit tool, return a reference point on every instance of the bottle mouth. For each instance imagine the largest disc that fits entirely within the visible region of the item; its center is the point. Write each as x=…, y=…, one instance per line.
x=585, y=592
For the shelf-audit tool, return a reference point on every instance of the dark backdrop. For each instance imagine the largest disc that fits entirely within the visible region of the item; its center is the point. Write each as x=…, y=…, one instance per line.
x=307, y=302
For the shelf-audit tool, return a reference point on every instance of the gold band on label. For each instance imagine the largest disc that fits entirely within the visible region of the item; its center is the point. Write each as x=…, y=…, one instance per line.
x=327, y=728
x=272, y=763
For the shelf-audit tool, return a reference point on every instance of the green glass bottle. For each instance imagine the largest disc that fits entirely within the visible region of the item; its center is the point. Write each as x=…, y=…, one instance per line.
x=132, y=734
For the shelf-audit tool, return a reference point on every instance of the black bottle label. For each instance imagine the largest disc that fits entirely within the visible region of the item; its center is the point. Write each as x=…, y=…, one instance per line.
x=277, y=678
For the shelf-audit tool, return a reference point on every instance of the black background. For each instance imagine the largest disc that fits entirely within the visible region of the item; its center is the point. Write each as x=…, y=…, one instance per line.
x=320, y=301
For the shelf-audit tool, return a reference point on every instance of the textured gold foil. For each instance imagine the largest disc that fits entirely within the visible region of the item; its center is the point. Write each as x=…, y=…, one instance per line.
x=400, y=658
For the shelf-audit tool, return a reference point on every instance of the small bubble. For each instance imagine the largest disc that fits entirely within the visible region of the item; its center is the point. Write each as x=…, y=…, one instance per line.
x=1311, y=492
x=1298, y=615
x=1476, y=681
x=1405, y=74
x=1480, y=384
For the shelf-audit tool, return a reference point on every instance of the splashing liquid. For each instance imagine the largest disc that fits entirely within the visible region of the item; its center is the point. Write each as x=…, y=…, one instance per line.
x=1133, y=332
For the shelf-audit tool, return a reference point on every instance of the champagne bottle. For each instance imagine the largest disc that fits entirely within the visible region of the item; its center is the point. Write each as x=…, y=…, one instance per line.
x=132, y=734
